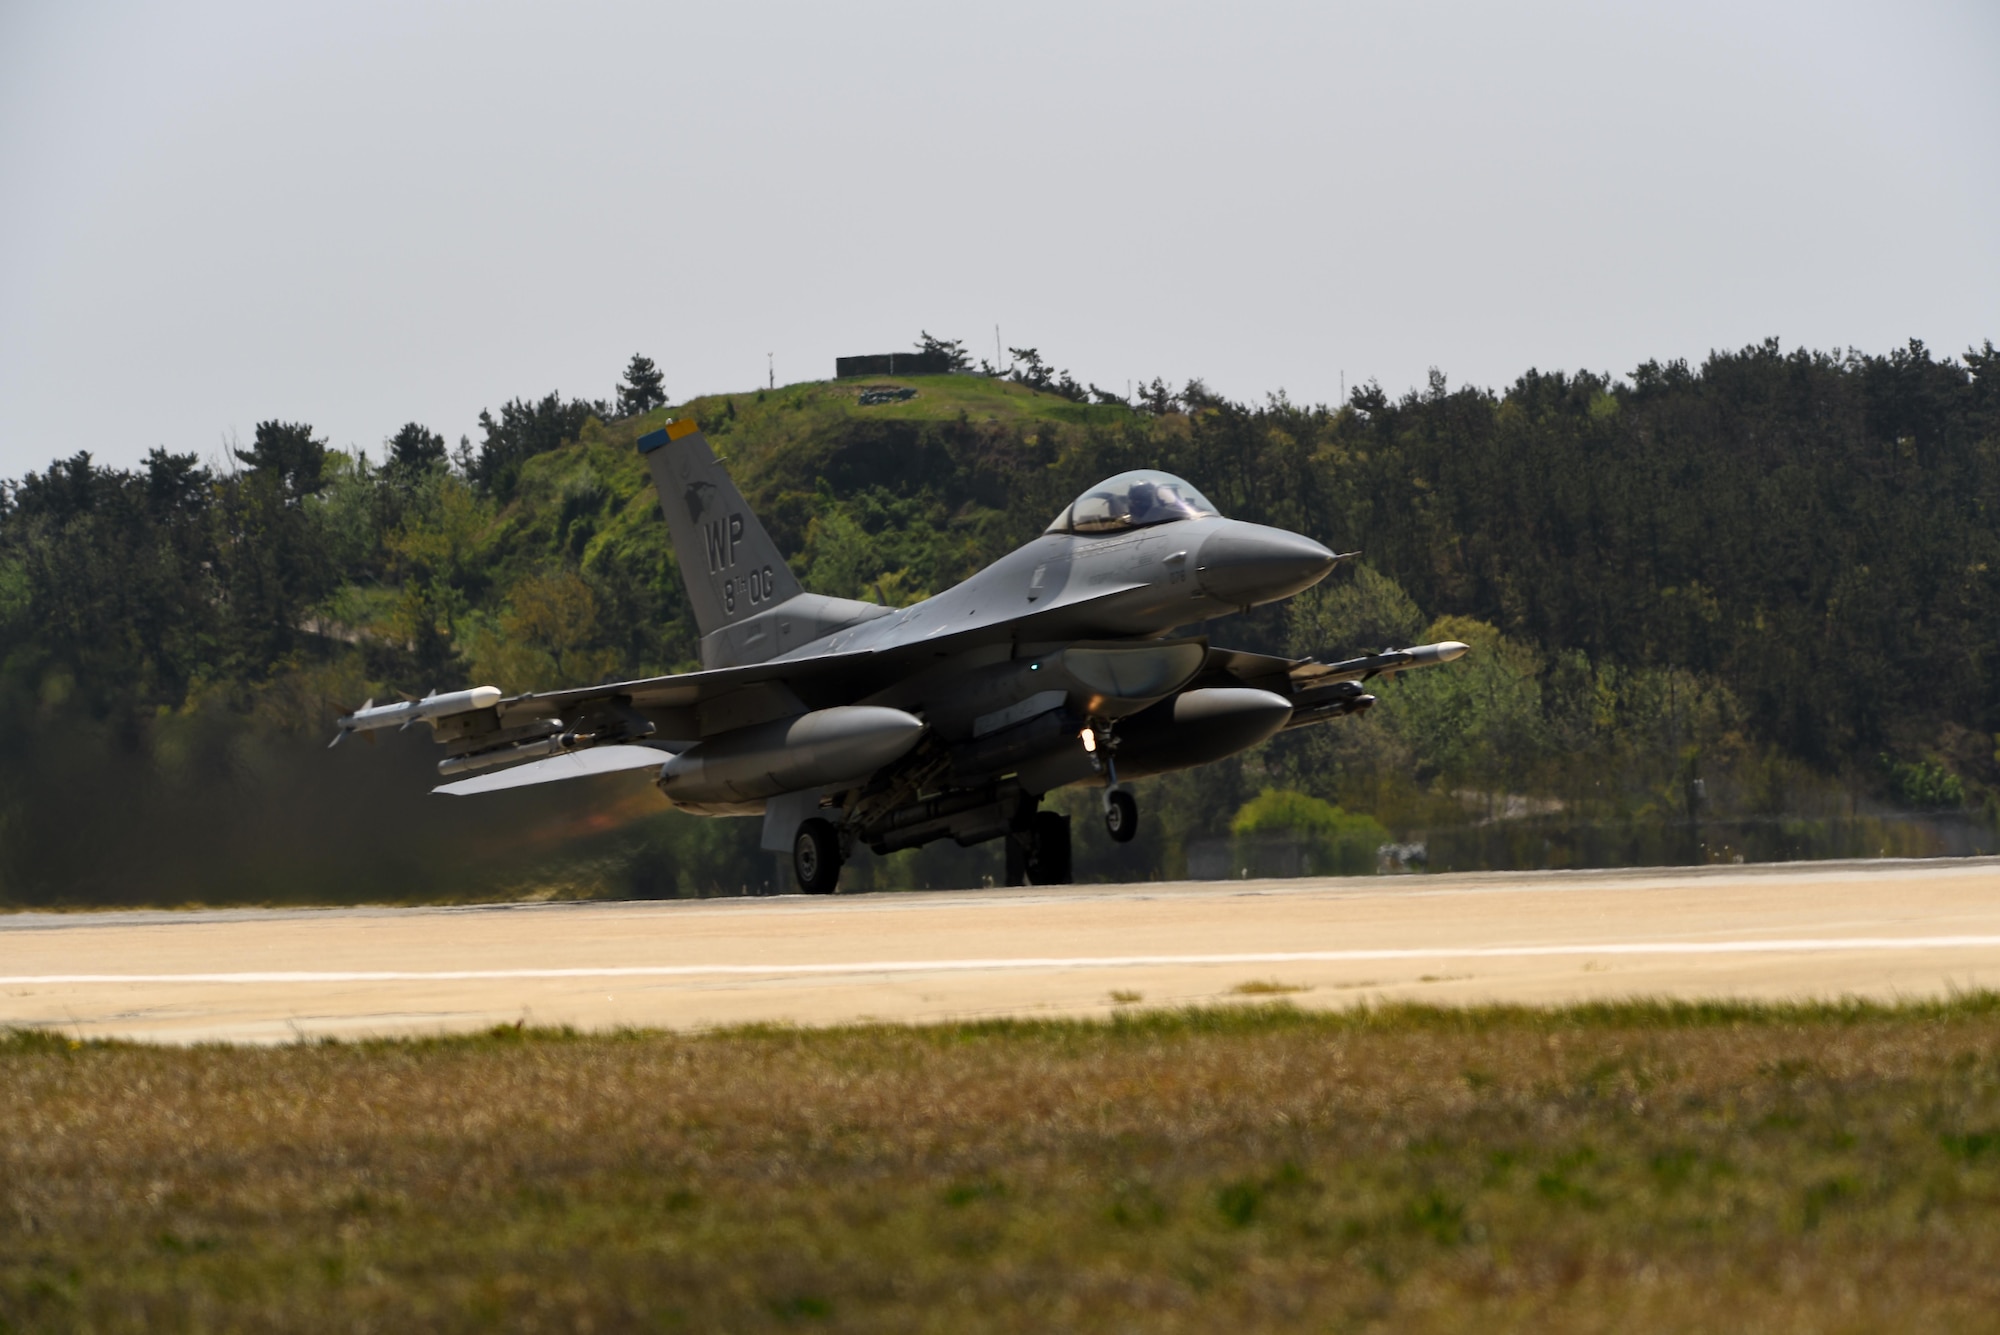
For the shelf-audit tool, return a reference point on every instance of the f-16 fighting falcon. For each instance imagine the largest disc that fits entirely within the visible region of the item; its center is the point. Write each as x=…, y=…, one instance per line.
x=845, y=722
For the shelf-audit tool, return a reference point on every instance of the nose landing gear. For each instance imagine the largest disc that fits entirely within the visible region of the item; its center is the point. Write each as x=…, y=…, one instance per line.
x=1121, y=815
x=1121, y=809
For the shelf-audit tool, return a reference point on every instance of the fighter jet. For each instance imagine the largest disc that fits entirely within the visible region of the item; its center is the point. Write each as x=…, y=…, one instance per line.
x=846, y=723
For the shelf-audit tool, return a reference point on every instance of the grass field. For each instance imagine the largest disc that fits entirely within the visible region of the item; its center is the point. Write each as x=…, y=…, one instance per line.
x=1623, y=1167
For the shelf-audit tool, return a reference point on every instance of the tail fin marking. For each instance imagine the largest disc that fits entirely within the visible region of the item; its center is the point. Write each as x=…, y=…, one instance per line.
x=731, y=567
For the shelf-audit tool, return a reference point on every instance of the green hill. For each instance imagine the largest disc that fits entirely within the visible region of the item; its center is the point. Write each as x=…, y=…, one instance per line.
x=1750, y=608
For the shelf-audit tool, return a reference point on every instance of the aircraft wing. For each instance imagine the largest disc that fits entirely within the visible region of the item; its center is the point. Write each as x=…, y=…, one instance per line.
x=481, y=728
x=685, y=690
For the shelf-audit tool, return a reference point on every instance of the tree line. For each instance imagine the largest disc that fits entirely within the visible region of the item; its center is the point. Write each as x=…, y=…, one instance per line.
x=1799, y=547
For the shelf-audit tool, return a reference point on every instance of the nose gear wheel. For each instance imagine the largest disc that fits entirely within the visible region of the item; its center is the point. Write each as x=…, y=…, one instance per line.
x=1121, y=815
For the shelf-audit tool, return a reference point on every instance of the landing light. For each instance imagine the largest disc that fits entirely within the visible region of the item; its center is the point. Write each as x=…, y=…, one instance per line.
x=1089, y=736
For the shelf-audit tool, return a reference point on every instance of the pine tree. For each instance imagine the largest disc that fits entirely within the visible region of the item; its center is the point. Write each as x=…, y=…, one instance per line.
x=950, y=351
x=289, y=453
x=415, y=450
x=643, y=389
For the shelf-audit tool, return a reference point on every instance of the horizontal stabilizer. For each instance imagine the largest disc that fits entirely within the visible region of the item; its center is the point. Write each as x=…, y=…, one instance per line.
x=573, y=765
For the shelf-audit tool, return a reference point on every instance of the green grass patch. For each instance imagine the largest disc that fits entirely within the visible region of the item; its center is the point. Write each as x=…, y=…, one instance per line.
x=1256, y=1167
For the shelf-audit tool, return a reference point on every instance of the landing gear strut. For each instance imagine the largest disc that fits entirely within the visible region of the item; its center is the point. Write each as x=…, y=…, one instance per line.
x=1038, y=848
x=816, y=857
x=1121, y=809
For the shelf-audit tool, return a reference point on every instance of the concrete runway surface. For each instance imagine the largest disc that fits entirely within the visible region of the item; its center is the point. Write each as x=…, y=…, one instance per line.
x=1869, y=929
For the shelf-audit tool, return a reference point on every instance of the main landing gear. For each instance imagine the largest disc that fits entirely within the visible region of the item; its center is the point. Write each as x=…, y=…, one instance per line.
x=1038, y=847
x=816, y=857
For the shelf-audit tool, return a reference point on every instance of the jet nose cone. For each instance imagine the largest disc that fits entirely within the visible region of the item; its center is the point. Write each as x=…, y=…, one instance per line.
x=1247, y=564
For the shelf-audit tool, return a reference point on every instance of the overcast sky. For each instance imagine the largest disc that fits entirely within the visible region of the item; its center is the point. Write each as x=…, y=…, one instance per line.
x=358, y=215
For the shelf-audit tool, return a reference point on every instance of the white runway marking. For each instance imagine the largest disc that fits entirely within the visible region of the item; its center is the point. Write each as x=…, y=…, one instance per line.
x=1782, y=946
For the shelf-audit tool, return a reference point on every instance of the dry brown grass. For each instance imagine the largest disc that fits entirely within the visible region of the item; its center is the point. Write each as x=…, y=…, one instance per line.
x=1608, y=1168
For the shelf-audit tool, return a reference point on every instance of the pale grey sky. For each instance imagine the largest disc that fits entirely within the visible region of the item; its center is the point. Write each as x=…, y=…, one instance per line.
x=357, y=215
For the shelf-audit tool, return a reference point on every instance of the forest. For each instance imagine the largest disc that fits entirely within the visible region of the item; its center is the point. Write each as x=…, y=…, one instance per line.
x=1745, y=609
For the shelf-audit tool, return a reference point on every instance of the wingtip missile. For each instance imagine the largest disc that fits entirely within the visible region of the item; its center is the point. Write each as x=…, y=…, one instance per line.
x=1310, y=674
x=1420, y=655
x=342, y=729
x=372, y=716
x=1445, y=651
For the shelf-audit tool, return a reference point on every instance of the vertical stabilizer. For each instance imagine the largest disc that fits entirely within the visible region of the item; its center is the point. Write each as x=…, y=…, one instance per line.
x=731, y=566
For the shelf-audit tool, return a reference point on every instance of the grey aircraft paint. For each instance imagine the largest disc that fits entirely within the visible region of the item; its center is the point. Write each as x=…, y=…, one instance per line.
x=844, y=722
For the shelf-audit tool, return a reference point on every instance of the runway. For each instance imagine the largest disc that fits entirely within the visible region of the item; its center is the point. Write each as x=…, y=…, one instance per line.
x=1801, y=930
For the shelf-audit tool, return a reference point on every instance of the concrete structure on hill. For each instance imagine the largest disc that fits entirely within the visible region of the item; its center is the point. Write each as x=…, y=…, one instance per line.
x=892, y=363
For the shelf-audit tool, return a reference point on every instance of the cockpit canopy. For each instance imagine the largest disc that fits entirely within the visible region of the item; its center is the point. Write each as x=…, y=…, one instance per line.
x=1133, y=500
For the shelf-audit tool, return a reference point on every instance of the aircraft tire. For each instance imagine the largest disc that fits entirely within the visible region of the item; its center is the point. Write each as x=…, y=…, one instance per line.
x=816, y=857
x=1121, y=816
x=1050, y=864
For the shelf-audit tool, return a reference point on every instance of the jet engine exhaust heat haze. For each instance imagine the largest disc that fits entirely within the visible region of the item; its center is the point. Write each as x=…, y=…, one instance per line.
x=844, y=723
